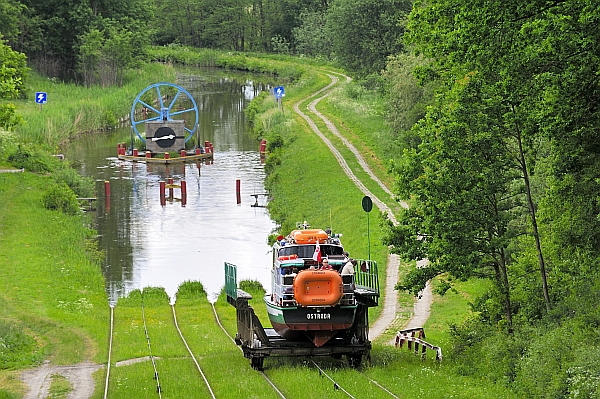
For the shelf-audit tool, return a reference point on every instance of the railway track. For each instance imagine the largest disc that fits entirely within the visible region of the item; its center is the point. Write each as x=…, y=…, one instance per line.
x=151, y=356
x=149, y=333
x=336, y=385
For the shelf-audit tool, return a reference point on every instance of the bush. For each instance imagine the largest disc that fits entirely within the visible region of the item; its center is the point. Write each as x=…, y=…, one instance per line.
x=82, y=186
x=31, y=161
x=60, y=197
x=480, y=349
x=561, y=362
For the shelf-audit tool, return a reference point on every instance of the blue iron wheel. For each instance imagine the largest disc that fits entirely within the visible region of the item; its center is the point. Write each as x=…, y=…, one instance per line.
x=164, y=101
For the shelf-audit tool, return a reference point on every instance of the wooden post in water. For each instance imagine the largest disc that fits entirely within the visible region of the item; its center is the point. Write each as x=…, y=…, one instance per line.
x=170, y=187
x=238, y=191
x=163, y=200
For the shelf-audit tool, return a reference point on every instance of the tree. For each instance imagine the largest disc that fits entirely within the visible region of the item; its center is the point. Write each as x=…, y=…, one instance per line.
x=365, y=32
x=460, y=176
x=406, y=98
x=526, y=53
x=13, y=74
x=312, y=37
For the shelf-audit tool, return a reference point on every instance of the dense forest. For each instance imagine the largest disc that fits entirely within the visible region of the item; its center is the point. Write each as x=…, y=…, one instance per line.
x=495, y=111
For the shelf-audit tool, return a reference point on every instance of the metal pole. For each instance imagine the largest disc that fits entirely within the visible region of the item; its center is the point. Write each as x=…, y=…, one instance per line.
x=369, y=235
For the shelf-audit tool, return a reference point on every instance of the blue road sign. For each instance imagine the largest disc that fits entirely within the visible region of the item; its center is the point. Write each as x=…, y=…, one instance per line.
x=40, y=97
x=279, y=92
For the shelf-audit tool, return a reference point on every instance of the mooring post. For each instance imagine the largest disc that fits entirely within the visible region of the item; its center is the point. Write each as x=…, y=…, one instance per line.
x=106, y=188
x=183, y=193
x=163, y=200
x=263, y=146
x=237, y=191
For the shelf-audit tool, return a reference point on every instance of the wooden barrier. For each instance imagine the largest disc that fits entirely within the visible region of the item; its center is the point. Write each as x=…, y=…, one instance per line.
x=409, y=337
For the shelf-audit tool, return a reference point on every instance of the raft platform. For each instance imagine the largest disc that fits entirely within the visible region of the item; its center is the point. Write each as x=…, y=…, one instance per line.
x=198, y=154
x=258, y=342
x=187, y=158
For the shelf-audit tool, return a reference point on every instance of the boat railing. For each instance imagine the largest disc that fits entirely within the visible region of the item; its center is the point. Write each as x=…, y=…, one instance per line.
x=366, y=279
x=284, y=295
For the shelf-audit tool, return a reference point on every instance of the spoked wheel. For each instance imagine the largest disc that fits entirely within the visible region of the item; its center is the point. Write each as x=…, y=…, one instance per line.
x=164, y=101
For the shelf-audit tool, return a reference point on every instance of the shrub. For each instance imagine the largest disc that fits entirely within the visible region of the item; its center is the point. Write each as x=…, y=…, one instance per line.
x=31, y=161
x=60, y=197
x=9, y=118
x=82, y=186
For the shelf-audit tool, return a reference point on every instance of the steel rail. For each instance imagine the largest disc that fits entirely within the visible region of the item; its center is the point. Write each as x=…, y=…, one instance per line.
x=112, y=312
x=158, y=388
x=191, y=354
x=233, y=340
x=336, y=386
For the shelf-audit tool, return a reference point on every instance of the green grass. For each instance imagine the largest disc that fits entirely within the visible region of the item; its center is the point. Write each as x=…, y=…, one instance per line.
x=220, y=359
x=47, y=281
x=60, y=387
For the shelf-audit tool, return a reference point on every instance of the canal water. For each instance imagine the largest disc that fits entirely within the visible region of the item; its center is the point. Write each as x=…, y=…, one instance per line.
x=150, y=245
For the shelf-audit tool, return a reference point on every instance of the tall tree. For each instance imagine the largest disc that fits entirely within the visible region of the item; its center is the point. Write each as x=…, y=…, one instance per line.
x=365, y=32
x=460, y=176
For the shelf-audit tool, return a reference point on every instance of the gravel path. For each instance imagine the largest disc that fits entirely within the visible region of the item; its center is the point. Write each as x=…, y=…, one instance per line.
x=79, y=376
x=390, y=305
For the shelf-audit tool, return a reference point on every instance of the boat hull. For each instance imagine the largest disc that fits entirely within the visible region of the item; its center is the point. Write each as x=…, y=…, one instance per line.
x=314, y=322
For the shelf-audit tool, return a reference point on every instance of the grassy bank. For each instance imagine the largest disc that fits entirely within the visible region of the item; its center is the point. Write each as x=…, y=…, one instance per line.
x=53, y=298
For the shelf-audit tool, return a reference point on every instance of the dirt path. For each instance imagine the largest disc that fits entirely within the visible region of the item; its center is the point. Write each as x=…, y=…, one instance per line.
x=390, y=305
x=79, y=376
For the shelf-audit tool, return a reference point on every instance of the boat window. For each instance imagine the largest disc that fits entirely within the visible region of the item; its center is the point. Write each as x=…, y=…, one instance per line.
x=307, y=251
x=332, y=250
x=303, y=251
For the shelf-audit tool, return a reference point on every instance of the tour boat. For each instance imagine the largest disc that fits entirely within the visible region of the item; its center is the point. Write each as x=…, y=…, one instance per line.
x=308, y=300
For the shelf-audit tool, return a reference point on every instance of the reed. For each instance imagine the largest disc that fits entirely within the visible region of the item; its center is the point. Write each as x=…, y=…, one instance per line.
x=283, y=68
x=73, y=109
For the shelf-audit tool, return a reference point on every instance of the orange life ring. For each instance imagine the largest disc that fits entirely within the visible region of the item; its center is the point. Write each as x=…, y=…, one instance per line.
x=309, y=236
x=318, y=287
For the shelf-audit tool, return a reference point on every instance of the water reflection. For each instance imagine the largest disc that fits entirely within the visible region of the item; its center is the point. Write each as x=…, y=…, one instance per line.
x=148, y=244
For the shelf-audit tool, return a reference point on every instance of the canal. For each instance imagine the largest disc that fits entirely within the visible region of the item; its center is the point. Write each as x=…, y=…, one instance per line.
x=147, y=244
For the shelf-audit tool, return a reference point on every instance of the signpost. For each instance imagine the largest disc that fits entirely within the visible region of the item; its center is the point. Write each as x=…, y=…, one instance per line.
x=367, y=205
x=279, y=92
x=41, y=98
